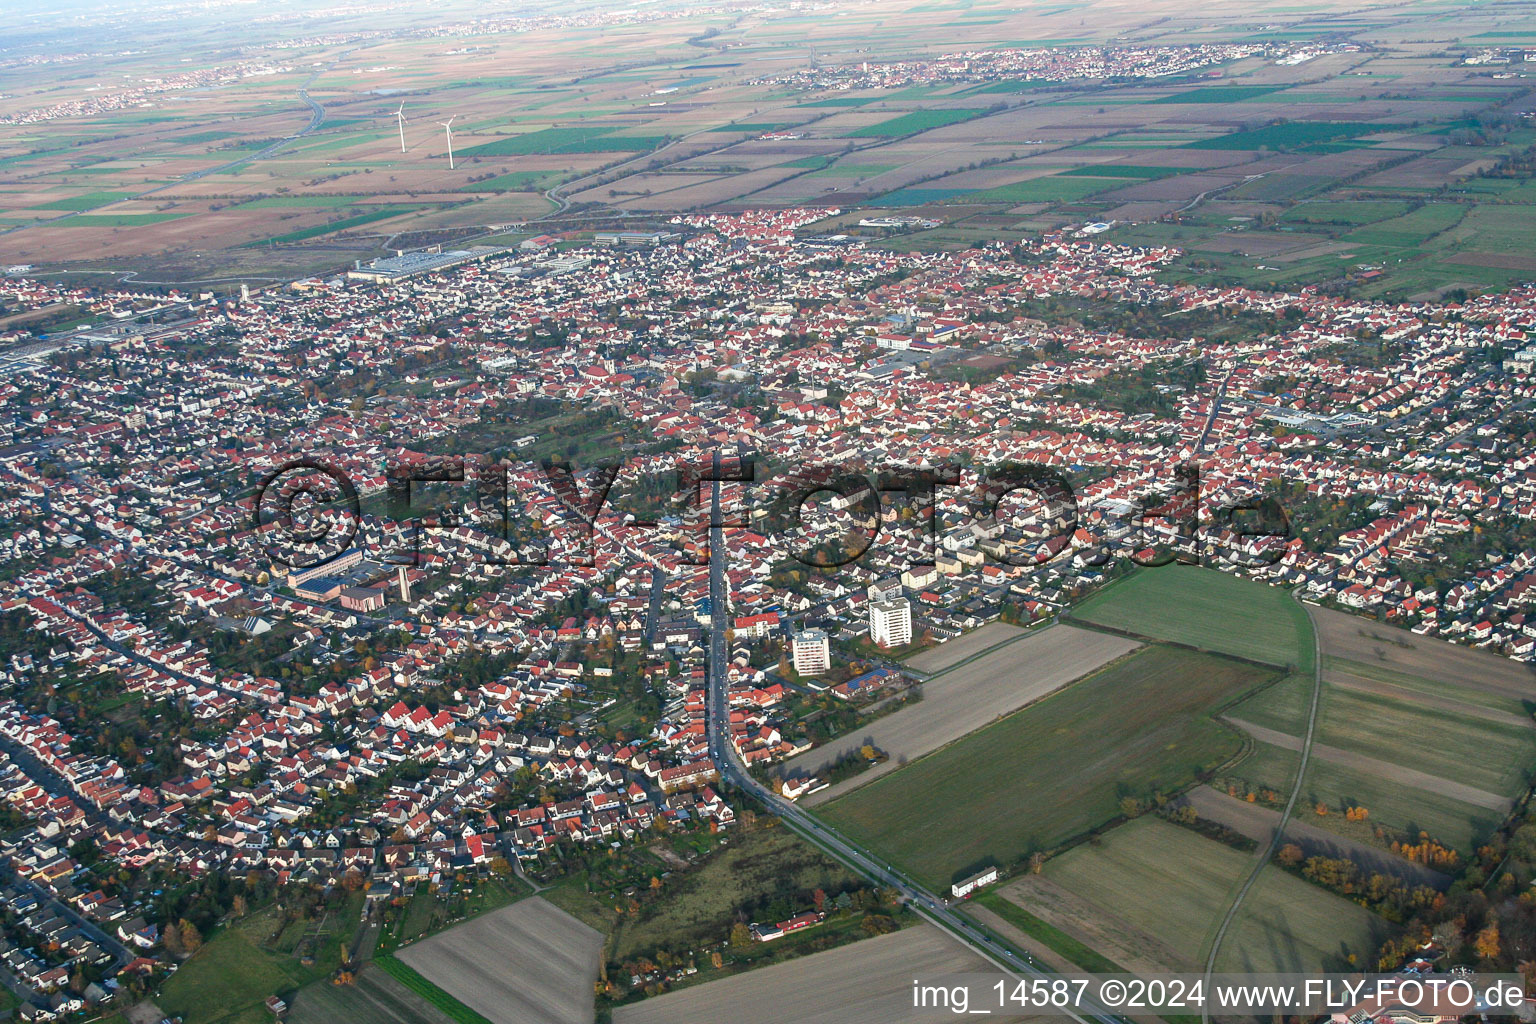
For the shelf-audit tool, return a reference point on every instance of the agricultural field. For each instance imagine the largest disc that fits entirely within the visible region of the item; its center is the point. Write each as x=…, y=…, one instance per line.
x=1057, y=769
x=867, y=982
x=965, y=697
x=968, y=645
x=374, y=997
x=1380, y=686
x=529, y=963
x=1257, y=822
x=1149, y=895
x=1206, y=609
x=609, y=119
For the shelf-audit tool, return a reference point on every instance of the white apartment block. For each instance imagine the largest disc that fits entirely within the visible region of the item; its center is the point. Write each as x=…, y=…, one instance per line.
x=890, y=622
x=812, y=652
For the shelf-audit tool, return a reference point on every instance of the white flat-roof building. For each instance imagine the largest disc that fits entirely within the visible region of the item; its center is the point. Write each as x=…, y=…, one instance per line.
x=969, y=885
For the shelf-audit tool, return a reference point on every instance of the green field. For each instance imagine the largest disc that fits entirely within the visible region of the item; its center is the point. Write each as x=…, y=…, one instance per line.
x=84, y=201
x=842, y=101
x=118, y=220
x=1353, y=213
x=1123, y=171
x=1056, y=769
x=565, y=140
x=844, y=170
x=1207, y=609
x=1493, y=756
x=1220, y=94
x=1053, y=189
x=1176, y=885
x=1495, y=229
x=917, y=121
x=1289, y=135
x=1411, y=229
x=1447, y=820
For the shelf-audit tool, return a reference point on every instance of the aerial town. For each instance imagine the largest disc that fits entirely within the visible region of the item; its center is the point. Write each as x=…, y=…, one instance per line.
x=422, y=700
x=644, y=615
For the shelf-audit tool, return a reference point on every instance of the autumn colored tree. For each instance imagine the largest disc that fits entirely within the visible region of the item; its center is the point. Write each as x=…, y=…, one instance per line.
x=819, y=900
x=741, y=935
x=1290, y=855
x=1486, y=945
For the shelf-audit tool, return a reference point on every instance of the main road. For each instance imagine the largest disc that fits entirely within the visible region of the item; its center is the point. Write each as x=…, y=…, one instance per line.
x=734, y=770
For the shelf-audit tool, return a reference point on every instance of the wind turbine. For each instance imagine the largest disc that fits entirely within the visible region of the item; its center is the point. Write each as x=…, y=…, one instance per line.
x=448, y=131
x=400, y=115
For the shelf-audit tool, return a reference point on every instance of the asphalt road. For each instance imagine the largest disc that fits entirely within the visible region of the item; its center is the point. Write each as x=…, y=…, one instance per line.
x=734, y=770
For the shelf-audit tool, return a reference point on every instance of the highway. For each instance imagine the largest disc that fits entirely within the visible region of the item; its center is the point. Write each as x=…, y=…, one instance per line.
x=734, y=770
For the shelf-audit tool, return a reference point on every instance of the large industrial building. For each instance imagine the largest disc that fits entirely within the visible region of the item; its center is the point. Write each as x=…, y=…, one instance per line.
x=408, y=263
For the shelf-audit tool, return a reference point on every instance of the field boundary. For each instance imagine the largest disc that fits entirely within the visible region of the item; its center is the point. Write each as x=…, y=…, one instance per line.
x=418, y=983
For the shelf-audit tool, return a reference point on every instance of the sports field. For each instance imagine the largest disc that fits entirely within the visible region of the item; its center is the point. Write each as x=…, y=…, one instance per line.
x=1203, y=608
x=1056, y=769
x=1151, y=894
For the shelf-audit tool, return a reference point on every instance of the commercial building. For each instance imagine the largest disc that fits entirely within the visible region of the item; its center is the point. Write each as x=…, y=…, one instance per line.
x=634, y=238
x=419, y=261
x=890, y=622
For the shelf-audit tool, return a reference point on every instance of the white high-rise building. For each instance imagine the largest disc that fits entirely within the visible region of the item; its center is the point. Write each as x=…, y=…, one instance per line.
x=890, y=622
x=812, y=652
